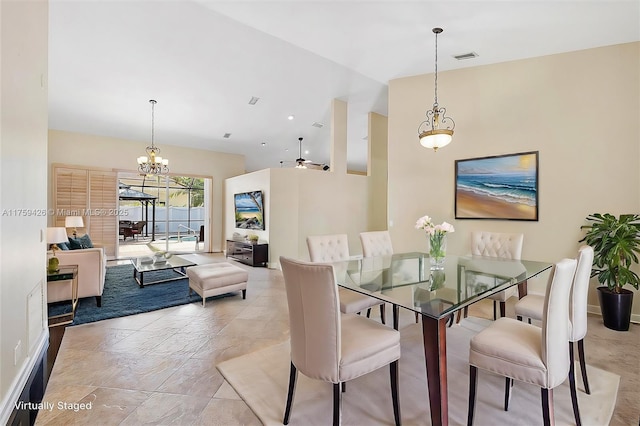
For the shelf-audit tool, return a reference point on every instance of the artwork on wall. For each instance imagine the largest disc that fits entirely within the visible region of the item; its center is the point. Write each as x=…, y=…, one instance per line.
x=497, y=187
x=249, y=210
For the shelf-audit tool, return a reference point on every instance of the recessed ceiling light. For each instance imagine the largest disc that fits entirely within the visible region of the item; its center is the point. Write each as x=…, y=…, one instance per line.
x=365, y=138
x=263, y=144
x=318, y=125
x=227, y=135
x=253, y=100
x=291, y=117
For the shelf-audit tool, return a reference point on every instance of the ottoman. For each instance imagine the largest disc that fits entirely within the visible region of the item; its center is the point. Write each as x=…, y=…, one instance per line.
x=213, y=279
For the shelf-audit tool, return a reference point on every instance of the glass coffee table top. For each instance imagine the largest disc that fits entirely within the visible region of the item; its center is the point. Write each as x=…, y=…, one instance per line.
x=144, y=265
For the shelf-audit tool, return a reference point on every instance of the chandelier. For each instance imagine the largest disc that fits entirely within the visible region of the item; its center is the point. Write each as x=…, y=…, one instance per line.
x=437, y=130
x=152, y=163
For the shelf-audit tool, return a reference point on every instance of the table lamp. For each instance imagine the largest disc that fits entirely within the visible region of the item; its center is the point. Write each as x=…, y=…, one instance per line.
x=54, y=236
x=74, y=222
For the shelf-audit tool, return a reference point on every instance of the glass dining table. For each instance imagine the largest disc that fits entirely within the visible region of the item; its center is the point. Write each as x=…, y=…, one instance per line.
x=406, y=280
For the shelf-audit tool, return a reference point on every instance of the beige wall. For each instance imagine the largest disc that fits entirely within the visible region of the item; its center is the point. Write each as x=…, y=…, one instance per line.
x=119, y=154
x=580, y=110
x=23, y=178
x=299, y=203
x=377, y=163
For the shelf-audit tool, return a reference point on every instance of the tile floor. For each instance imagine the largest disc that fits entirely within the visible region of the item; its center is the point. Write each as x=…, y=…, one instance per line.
x=159, y=367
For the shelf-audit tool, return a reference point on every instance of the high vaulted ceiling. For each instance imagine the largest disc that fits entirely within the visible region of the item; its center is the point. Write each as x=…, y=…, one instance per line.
x=204, y=60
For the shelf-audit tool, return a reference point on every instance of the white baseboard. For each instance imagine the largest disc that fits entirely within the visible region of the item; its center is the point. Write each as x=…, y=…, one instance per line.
x=19, y=382
x=595, y=309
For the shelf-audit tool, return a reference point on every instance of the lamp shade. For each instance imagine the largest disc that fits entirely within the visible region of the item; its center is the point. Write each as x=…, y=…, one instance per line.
x=73, y=222
x=57, y=235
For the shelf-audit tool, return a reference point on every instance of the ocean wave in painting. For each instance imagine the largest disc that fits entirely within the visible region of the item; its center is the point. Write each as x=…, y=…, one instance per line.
x=517, y=188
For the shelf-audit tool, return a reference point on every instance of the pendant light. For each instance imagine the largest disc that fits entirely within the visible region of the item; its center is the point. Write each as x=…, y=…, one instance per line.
x=152, y=163
x=437, y=130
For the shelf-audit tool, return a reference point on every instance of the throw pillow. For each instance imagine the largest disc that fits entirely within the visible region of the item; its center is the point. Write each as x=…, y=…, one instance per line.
x=63, y=246
x=80, y=242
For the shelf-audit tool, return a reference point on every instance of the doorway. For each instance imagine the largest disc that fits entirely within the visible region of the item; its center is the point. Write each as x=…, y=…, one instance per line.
x=162, y=213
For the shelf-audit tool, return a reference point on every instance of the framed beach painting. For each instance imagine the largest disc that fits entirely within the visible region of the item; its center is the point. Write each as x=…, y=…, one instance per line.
x=497, y=187
x=249, y=210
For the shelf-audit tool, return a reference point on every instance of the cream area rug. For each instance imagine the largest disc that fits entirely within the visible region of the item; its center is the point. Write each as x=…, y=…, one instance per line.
x=261, y=380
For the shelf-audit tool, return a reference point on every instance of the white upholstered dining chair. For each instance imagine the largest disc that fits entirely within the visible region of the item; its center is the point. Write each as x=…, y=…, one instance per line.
x=327, y=345
x=504, y=246
x=520, y=351
x=532, y=306
x=376, y=243
x=333, y=248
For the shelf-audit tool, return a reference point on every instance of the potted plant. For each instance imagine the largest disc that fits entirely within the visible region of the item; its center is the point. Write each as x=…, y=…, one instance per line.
x=616, y=245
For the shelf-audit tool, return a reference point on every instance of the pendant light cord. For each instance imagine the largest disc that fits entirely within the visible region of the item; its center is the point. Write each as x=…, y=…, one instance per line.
x=436, y=76
x=153, y=104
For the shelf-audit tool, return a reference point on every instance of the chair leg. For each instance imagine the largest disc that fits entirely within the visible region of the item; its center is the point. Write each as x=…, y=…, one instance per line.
x=508, y=384
x=393, y=372
x=337, y=406
x=519, y=317
x=244, y=293
x=503, y=309
x=344, y=386
x=396, y=316
x=417, y=317
x=583, y=366
x=495, y=313
x=293, y=375
x=383, y=316
x=572, y=385
x=473, y=386
x=547, y=407
x=369, y=313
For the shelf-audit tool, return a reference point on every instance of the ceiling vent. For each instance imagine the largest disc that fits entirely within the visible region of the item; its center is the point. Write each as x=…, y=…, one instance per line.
x=469, y=55
x=227, y=135
x=318, y=125
x=253, y=100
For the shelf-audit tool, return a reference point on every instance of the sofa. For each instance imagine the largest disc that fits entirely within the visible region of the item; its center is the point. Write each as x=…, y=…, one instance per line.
x=92, y=265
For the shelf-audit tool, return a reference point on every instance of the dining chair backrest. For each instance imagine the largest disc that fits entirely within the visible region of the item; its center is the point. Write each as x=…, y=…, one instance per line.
x=579, y=292
x=556, y=312
x=376, y=243
x=497, y=244
x=314, y=318
x=328, y=248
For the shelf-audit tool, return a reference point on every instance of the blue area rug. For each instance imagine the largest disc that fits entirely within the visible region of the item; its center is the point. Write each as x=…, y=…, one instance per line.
x=123, y=296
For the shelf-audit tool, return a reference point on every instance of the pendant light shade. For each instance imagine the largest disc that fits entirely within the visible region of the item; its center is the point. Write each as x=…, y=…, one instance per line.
x=437, y=130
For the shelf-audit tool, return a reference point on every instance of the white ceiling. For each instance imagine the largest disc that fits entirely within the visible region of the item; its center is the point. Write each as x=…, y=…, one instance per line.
x=204, y=60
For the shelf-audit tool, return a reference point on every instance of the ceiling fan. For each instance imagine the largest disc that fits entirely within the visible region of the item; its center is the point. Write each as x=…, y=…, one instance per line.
x=301, y=163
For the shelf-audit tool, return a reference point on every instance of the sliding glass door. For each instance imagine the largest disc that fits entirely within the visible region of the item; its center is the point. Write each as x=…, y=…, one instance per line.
x=163, y=214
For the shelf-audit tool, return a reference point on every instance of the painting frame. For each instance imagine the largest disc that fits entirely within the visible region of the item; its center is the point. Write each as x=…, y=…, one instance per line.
x=498, y=187
x=249, y=210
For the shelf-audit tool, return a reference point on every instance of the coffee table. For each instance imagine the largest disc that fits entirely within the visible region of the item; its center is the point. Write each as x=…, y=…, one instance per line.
x=177, y=263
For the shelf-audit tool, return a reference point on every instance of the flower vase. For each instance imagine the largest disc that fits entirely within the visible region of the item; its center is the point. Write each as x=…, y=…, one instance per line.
x=437, y=250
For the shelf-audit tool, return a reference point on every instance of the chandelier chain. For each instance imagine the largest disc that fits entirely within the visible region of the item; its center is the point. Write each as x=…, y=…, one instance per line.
x=435, y=103
x=153, y=105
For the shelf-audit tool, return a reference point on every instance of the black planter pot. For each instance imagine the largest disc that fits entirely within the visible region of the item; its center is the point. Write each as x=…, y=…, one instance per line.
x=616, y=308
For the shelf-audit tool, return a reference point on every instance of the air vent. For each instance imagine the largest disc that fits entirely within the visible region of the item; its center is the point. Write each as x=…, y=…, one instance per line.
x=227, y=135
x=253, y=100
x=469, y=55
x=318, y=125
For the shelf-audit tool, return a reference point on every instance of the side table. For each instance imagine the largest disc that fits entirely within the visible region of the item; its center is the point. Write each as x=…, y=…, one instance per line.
x=67, y=273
